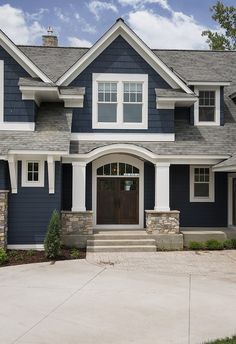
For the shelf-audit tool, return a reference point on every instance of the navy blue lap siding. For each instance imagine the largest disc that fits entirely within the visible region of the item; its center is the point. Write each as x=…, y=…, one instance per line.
x=67, y=186
x=149, y=187
x=15, y=109
x=197, y=214
x=4, y=175
x=30, y=210
x=120, y=57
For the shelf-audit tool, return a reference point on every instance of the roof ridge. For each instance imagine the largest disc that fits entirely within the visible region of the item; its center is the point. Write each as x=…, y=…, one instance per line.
x=197, y=50
x=49, y=47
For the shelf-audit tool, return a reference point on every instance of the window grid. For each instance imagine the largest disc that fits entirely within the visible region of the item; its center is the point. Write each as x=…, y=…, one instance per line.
x=201, y=182
x=206, y=106
x=133, y=92
x=107, y=92
x=32, y=171
x=117, y=169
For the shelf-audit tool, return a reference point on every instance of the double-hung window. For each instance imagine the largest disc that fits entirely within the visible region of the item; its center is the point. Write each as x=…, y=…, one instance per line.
x=120, y=101
x=33, y=173
x=207, y=108
x=201, y=184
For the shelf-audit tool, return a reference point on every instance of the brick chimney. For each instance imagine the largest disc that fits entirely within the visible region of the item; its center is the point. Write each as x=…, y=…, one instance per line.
x=50, y=40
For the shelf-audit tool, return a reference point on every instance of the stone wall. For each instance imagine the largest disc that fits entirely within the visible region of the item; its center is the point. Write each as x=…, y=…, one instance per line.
x=3, y=218
x=162, y=222
x=77, y=222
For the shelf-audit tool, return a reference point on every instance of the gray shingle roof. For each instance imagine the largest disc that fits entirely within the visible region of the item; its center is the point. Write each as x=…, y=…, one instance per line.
x=172, y=93
x=52, y=132
x=33, y=82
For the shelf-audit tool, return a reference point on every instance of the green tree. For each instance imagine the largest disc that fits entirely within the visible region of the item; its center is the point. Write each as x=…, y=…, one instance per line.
x=225, y=16
x=52, y=242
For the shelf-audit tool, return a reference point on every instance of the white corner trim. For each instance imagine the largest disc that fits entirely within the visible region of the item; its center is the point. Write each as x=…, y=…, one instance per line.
x=1, y=91
x=211, y=197
x=217, y=106
x=21, y=58
x=51, y=174
x=123, y=137
x=12, y=163
x=124, y=159
x=24, y=179
x=38, y=247
x=120, y=28
x=119, y=79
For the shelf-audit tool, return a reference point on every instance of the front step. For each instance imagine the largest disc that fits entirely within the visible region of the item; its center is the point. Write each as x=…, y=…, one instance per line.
x=122, y=241
x=202, y=236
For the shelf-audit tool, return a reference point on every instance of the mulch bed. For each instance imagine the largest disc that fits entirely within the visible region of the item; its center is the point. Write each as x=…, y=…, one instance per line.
x=18, y=257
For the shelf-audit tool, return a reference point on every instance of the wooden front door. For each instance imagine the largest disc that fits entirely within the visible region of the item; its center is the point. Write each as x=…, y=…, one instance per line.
x=117, y=201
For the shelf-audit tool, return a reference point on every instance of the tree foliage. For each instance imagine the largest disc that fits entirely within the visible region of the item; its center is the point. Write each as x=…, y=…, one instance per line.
x=225, y=38
x=52, y=242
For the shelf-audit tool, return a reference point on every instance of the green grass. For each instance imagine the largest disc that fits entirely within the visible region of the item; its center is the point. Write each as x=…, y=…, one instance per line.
x=231, y=340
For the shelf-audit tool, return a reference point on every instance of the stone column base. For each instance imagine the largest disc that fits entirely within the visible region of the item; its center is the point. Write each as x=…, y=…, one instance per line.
x=162, y=222
x=3, y=218
x=77, y=222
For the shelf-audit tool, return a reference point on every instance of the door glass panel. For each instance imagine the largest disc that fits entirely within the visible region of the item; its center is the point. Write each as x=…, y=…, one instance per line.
x=106, y=185
x=128, y=185
x=107, y=170
x=114, y=169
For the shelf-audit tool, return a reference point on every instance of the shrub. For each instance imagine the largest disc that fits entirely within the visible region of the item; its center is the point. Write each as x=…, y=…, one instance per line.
x=30, y=253
x=214, y=245
x=228, y=245
x=52, y=242
x=74, y=253
x=3, y=256
x=195, y=245
x=233, y=243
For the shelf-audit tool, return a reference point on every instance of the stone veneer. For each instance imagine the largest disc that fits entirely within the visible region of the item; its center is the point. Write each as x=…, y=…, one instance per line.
x=3, y=218
x=77, y=222
x=162, y=222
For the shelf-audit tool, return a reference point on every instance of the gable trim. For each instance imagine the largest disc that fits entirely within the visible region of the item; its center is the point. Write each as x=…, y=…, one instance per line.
x=120, y=28
x=21, y=58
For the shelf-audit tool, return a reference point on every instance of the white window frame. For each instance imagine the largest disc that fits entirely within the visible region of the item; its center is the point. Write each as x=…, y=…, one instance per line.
x=24, y=173
x=211, y=197
x=119, y=79
x=216, y=89
x=1, y=91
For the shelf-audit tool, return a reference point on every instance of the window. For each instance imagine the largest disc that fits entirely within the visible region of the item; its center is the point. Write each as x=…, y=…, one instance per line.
x=33, y=173
x=207, y=108
x=201, y=184
x=120, y=101
x=118, y=169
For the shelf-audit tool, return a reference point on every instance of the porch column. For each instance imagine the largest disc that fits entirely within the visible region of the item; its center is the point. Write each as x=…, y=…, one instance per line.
x=162, y=186
x=79, y=186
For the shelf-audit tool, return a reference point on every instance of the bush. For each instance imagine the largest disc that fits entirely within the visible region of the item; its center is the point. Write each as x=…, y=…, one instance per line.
x=233, y=243
x=228, y=245
x=52, y=242
x=195, y=245
x=74, y=253
x=214, y=245
x=3, y=256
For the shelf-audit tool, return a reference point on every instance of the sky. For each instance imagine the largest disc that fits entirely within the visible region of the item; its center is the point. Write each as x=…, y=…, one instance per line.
x=162, y=24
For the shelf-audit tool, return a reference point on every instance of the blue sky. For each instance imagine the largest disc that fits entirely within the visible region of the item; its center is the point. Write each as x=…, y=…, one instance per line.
x=160, y=23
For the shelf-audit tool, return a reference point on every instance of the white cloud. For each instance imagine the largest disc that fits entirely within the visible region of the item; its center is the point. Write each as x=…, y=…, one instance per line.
x=60, y=15
x=77, y=42
x=37, y=15
x=13, y=22
x=85, y=26
x=141, y=3
x=96, y=7
x=179, y=31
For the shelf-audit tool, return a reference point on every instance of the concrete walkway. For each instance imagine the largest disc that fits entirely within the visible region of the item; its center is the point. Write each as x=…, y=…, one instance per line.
x=165, y=297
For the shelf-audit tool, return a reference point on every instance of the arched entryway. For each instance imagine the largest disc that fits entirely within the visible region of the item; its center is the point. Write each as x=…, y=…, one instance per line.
x=117, y=192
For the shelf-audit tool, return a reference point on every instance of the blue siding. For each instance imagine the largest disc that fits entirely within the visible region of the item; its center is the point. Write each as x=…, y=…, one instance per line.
x=222, y=117
x=4, y=175
x=89, y=187
x=196, y=214
x=149, y=187
x=15, y=109
x=31, y=208
x=120, y=57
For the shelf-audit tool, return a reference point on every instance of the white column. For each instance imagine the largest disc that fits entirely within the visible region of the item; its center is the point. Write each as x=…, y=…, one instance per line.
x=78, y=186
x=12, y=162
x=162, y=186
x=51, y=174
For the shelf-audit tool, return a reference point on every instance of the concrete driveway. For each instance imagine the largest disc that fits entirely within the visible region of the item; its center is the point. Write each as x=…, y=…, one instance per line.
x=166, y=297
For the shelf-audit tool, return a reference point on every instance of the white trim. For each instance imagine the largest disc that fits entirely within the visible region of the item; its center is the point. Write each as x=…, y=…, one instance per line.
x=51, y=174
x=21, y=58
x=1, y=91
x=56, y=154
x=120, y=28
x=231, y=168
x=211, y=197
x=13, y=171
x=38, y=247
x=24, y=172
x=119, y=79
x=231, y=176
x=209, y=83
x=217, y=106
x=144, y=137
x=170, y=103
x=162, y=186
x=125, y=159
x=79, y=186
x=17, y=126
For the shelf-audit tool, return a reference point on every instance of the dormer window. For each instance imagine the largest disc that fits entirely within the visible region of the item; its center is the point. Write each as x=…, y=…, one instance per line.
x=207, y=108
x=120, y=101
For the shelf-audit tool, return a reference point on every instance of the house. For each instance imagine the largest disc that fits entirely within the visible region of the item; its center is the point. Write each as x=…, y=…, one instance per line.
x=115, y=137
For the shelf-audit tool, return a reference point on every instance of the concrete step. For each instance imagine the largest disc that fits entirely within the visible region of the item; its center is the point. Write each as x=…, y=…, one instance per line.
x=120, y=235
x=131, y=248
x=202, y=236
x=121, y=242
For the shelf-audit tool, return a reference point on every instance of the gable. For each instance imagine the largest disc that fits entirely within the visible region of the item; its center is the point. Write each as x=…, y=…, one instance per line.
x=121, y=29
